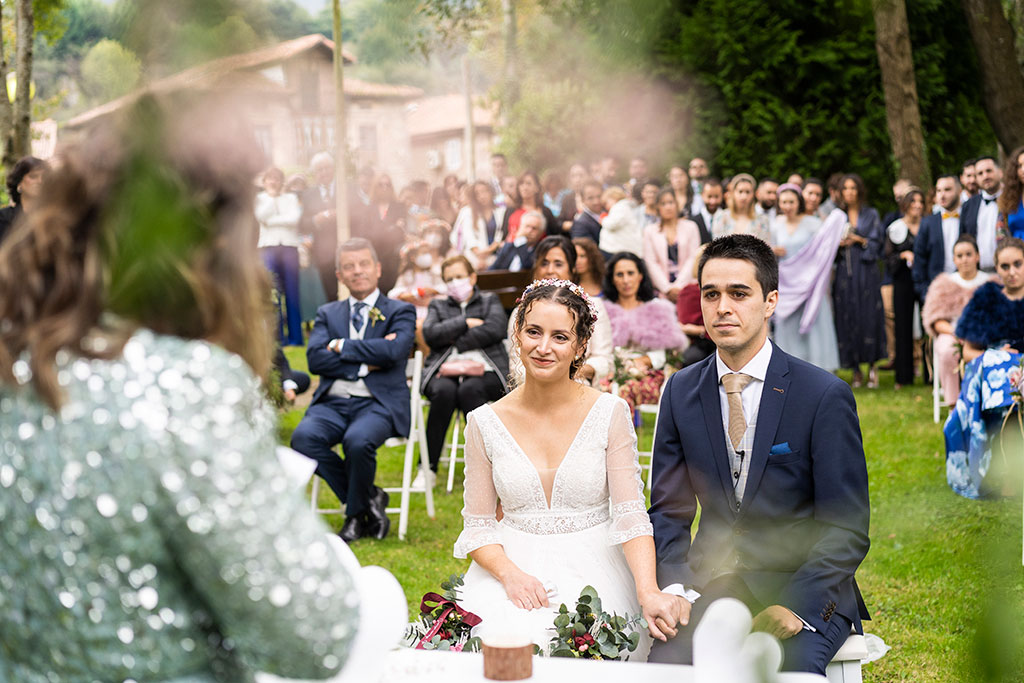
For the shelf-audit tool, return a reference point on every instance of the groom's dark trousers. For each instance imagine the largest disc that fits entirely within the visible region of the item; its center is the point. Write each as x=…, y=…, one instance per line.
x=802, y=528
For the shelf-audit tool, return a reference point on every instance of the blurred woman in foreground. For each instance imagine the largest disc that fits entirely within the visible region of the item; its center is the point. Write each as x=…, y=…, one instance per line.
x=147, y=522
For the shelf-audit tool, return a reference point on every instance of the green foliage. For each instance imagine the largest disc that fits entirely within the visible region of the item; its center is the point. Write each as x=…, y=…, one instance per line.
x=588, y=632
x=109, y=71
x=797, y=86
x=88, y=22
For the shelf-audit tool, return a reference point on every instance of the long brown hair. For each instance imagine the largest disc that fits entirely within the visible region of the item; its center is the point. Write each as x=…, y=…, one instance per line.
x=145, y=224
x=1009, y=198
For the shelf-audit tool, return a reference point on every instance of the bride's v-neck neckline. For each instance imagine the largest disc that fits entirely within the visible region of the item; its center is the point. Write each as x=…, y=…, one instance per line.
x=565, y=456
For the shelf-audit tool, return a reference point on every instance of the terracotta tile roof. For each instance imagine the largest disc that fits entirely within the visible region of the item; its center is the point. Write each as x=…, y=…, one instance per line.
x=240, y=72
x=443, y=113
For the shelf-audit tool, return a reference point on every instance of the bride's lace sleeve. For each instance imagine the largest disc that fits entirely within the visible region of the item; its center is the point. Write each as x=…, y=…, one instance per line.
x=479, y=526
x=626, y=488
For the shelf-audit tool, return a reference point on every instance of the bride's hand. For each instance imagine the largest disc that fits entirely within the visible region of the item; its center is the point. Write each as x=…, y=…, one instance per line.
x=525, y=591
x=662, y=612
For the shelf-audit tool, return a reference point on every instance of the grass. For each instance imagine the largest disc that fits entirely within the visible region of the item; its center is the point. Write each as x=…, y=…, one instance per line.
x=943, y=579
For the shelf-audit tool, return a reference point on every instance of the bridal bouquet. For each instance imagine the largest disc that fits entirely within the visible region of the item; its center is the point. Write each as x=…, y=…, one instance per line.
x=443, y=625
x=590, y=633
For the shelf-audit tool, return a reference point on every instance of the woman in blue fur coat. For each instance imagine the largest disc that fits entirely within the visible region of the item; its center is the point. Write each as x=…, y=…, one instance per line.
x=992, y=330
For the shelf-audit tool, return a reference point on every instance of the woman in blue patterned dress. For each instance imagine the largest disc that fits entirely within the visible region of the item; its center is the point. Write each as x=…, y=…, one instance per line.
x=992, y=329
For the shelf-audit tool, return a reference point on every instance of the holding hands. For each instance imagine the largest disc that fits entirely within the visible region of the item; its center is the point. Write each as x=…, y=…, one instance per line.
x=663, y=611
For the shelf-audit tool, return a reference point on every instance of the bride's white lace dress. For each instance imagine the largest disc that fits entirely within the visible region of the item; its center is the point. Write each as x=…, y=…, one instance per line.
x=596, y=504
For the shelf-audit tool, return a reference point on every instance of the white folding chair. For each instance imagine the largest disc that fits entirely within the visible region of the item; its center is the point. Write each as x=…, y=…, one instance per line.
x=646, y=457
x=417, y=437
x=453, y=457
x=845, y=666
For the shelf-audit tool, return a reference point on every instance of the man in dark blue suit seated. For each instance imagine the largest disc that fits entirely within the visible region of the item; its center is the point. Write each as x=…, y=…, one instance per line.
x=770, y=447
x=359, y=348
x=518, y=254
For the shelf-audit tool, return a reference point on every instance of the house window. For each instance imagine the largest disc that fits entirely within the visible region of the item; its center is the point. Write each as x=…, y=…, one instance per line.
x=309, y=90
x=264, y=140
x=453, y=154
x=368, y=143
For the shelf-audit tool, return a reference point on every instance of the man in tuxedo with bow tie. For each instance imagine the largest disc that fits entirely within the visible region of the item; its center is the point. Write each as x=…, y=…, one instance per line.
x=770, y=447
x=981, y=212
x=358, y=347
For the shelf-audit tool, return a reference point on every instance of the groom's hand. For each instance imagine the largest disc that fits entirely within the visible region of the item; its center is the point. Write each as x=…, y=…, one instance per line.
x=778, y=621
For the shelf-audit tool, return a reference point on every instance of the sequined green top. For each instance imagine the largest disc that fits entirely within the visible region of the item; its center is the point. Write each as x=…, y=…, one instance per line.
x=147, y=532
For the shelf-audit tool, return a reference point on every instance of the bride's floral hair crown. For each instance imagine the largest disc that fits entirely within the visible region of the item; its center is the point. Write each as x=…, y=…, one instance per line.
x=572, y=287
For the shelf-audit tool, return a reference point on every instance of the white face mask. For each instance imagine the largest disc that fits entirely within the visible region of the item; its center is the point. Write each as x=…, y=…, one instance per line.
x=424, y=261
x=460, y=289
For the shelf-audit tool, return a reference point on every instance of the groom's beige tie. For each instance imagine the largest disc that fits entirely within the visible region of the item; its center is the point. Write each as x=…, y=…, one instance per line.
x=734, y=383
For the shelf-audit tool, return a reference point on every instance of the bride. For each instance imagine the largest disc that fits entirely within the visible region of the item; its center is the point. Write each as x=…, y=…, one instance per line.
x=554, y=500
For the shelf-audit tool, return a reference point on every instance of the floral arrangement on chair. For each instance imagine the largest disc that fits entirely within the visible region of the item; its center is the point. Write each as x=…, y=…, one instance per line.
x=590, y=633
x=443, y=625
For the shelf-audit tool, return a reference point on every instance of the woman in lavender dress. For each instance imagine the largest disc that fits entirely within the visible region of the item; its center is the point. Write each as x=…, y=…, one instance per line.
x=813, y=339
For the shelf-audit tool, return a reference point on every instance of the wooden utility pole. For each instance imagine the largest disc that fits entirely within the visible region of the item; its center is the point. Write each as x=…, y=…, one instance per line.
x=508, y=13
x=26, y=28
x=340, y=136
x=470, y=131
x=892, y=42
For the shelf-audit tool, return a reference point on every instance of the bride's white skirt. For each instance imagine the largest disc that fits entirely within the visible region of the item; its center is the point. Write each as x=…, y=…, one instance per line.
x=569, y=562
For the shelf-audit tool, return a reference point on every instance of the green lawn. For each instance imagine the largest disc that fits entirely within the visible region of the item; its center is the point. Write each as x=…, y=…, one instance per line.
x=939, y=566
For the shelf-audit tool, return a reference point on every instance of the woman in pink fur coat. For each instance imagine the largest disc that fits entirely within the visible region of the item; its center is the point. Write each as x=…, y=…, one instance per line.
x=946, y=298
x=644, y=327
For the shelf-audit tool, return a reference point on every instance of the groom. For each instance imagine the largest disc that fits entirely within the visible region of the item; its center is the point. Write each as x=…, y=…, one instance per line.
x=770, y=447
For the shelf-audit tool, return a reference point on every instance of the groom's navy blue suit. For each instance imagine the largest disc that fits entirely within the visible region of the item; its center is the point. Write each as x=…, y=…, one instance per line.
x=802, y=529
x=360, y=424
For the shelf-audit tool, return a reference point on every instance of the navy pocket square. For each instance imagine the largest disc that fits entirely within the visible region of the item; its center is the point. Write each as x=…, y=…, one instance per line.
x=780, y=449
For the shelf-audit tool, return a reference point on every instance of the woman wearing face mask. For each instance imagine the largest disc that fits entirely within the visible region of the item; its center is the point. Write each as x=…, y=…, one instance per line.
x=419, y=282
x=467, y=365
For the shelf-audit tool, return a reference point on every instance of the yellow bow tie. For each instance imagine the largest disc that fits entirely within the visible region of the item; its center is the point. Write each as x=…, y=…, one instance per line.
x=950, y=214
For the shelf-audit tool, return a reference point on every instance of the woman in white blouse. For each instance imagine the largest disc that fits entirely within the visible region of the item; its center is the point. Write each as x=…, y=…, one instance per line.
x=278, y=214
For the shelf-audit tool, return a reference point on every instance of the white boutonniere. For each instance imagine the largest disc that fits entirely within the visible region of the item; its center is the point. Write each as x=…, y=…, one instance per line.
x=376, y=316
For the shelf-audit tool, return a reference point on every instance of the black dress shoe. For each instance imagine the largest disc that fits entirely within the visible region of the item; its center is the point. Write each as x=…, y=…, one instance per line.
x=353, y=529
x=377, y=518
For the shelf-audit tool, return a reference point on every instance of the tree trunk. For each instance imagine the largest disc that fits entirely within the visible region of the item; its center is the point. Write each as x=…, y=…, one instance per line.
x=508, y=10
x=892, y=41
x=22, y=102
x=7, y=157
x=1001, y=77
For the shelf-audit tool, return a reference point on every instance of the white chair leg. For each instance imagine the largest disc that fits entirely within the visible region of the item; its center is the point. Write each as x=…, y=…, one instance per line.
x=453, y=453
x=403, y=505
x=422, y=440
x=315, y=494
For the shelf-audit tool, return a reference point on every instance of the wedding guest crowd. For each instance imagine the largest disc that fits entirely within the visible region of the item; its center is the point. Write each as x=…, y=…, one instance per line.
x=633, y=247
x=856, y=289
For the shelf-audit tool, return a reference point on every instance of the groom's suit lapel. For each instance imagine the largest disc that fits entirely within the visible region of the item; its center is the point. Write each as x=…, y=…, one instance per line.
x=711, y=407
x=769, y=414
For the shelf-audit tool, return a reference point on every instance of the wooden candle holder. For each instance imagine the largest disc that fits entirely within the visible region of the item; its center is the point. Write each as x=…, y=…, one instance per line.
x=508, y=661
